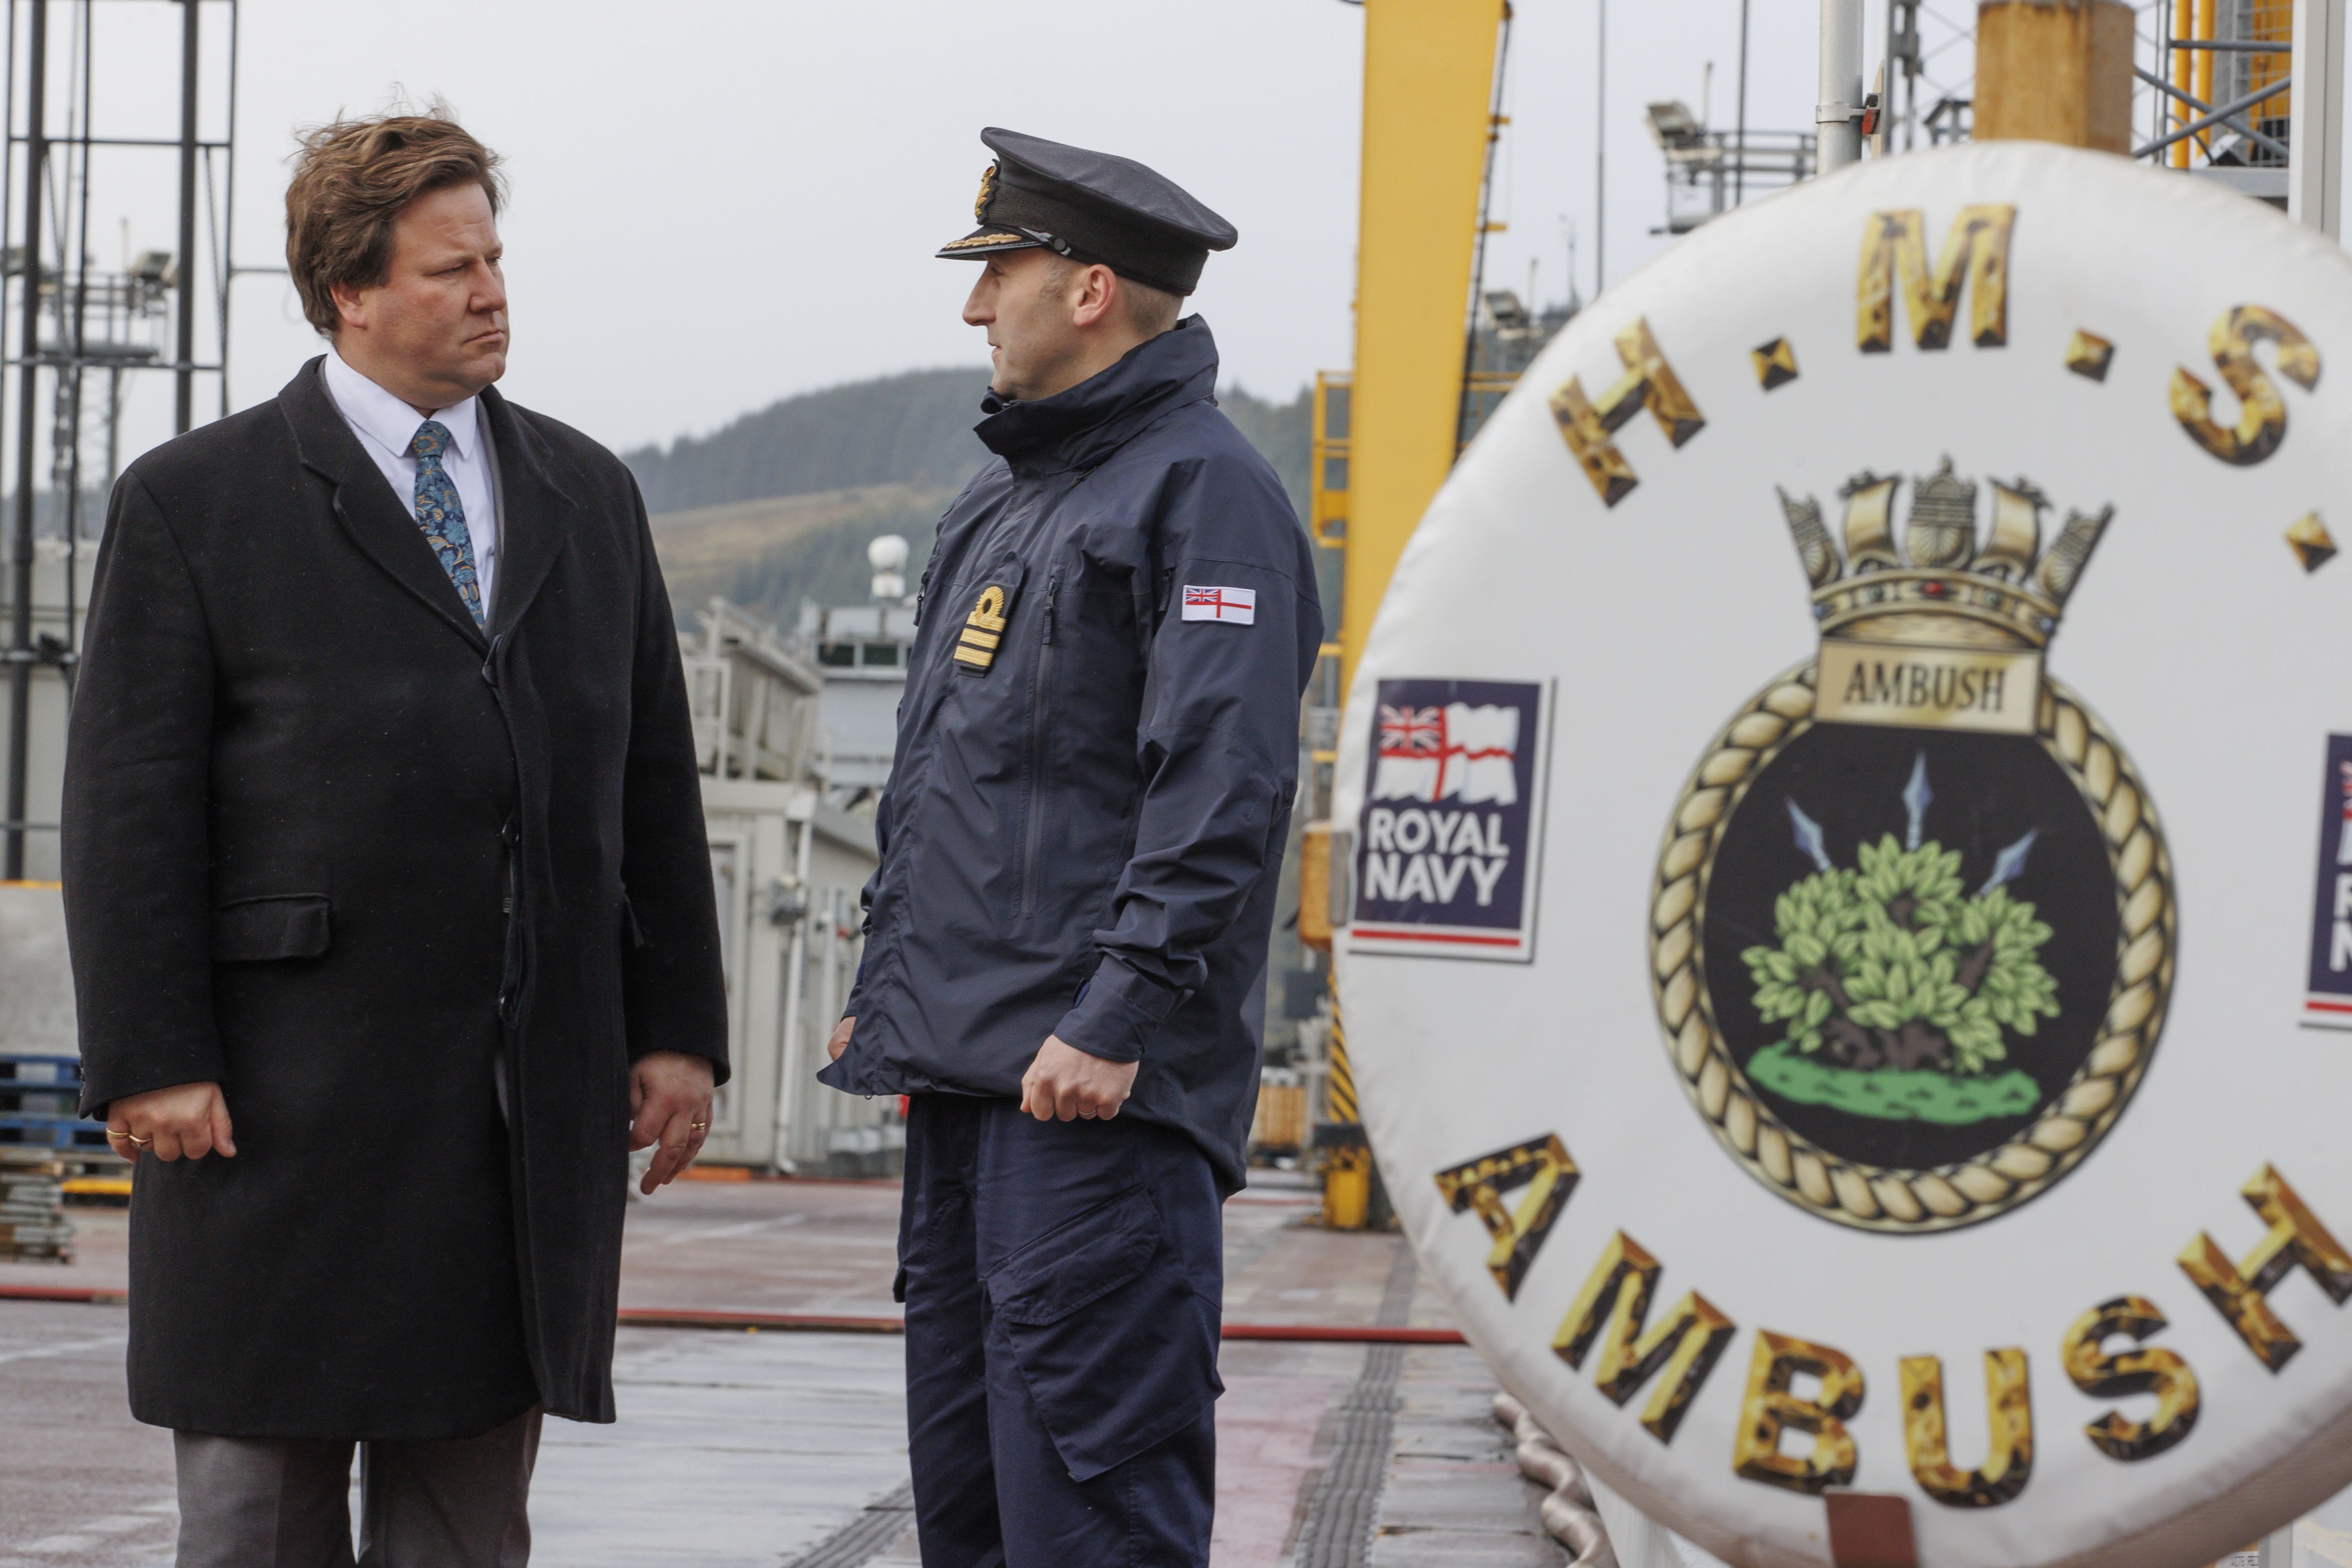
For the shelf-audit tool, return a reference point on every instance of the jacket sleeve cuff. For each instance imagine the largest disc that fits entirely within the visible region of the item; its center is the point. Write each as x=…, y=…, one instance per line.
x=1118, y=1013
x=716, y=1056
x=100, y=1091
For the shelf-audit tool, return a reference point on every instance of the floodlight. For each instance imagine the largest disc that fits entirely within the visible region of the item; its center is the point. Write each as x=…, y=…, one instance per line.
x=1503, y=304
x=1673, y=124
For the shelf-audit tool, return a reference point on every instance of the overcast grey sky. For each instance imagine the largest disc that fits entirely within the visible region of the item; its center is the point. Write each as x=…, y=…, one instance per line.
x=718, y=203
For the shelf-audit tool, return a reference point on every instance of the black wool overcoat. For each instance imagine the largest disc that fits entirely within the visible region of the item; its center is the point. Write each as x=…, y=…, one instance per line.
x=415, y=895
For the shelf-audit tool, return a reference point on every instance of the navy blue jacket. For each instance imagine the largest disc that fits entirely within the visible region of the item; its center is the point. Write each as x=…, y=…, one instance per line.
x=1082, y=830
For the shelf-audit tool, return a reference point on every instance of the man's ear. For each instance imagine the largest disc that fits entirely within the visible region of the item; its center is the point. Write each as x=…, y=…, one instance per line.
x=1097, y=295
x=350, y=305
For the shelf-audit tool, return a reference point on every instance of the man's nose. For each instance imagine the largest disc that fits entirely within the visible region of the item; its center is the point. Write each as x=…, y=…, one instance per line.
x=976, y=311
x=490, y=297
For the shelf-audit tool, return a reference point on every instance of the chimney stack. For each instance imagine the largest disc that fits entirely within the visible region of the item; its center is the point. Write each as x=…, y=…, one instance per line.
x=2055, y=70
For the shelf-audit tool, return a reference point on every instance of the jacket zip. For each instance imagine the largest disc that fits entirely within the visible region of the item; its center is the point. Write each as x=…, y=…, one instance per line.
x=903, y=778
x=1041, y=685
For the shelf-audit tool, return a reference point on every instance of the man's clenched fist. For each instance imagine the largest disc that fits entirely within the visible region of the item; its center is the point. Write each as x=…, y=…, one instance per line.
x=188, y=1119
x=1065, y=1083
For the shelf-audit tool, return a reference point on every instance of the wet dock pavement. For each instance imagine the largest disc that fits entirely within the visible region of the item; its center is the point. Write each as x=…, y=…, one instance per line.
x=780, y=1449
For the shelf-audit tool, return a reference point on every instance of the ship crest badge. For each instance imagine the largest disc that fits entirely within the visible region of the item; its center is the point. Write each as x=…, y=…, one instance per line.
x=1913, y=927
x=987, y=190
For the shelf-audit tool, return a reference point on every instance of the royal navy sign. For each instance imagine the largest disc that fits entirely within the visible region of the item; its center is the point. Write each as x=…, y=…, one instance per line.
x=1855, y=651
x=1448, y=840
x=2328, y=1004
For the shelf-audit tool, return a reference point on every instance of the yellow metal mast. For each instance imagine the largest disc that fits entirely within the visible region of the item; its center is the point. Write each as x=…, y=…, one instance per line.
x=1428, y=79
x=1386, y=435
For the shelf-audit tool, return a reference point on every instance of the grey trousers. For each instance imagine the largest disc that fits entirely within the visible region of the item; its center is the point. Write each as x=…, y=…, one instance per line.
x=276, y=1502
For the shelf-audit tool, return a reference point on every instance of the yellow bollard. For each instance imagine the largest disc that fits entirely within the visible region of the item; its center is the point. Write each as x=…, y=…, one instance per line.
x=1347, y=1187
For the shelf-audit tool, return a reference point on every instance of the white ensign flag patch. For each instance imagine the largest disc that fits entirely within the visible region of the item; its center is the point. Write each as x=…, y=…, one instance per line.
x=1220, y=604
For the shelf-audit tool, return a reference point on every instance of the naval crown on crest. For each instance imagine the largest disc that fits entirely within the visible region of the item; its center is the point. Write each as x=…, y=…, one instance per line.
x=1937, y=585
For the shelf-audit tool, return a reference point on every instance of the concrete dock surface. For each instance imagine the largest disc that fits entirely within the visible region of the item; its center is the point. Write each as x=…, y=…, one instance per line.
x=787, y=1449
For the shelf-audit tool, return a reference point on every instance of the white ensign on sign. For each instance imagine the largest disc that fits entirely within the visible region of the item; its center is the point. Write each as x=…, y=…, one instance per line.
x=1220, y=604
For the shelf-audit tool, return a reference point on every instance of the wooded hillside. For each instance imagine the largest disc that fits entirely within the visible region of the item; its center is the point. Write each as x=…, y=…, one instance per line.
x=780, y=505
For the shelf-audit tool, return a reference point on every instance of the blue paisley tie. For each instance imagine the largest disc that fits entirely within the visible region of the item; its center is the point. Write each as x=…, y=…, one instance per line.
x=442, y=516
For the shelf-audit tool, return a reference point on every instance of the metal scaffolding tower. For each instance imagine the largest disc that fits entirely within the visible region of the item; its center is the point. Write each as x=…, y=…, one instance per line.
x=67, y=318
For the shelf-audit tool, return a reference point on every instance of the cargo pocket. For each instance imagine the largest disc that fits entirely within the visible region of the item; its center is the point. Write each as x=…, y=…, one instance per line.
x=1117, y=1349
x=282, y=925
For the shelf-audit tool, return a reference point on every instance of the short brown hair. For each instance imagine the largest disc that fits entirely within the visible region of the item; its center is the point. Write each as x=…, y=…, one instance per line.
x=1153, y=310
x=1149, y=311
x=352, y=179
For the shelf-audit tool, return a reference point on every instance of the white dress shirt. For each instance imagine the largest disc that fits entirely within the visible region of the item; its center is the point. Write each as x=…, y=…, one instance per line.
x=385, y=425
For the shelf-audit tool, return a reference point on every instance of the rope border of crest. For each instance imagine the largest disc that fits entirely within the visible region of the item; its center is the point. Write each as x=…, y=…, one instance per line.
x=1946, y=1197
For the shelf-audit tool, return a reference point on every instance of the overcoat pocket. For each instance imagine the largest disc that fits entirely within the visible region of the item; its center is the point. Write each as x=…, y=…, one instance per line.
x=279, y=925
x=1118, y=1348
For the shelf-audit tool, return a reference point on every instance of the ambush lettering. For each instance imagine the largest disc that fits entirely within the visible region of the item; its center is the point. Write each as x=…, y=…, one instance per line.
x=1902, y=683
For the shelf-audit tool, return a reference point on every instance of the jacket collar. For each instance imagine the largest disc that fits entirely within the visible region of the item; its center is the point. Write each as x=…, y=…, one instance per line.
x=1080, y=427
x=535, y=509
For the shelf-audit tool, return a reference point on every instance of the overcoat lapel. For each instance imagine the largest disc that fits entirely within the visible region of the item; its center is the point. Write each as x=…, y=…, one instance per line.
x=365, y=505
x=535, y=513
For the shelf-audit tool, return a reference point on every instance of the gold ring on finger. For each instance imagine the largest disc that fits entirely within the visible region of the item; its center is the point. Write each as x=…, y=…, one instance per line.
x=134, y=1137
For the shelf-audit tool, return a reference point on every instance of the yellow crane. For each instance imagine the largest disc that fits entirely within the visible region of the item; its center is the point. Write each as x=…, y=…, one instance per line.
x=1386, y=432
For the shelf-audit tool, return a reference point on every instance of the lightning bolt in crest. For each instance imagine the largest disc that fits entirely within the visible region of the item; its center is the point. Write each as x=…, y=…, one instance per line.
x=2009, y=864
x=1809, y=837
x=1917, y=798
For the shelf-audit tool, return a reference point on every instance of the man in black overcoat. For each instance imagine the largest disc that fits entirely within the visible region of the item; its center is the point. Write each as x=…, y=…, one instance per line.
x=390, y=903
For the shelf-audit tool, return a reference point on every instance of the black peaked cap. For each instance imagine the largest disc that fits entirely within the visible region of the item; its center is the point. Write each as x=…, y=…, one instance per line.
x=1092, y=206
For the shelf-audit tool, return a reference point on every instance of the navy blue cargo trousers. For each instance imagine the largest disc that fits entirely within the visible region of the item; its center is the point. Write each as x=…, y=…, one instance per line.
x=1063, y=1282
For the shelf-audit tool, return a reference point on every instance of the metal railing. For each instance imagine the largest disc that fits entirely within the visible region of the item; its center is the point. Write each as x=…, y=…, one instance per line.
x=2223, y=87
x=2209, y=116
x=1710, y=171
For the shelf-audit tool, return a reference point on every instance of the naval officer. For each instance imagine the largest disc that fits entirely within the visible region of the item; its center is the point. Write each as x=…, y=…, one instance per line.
x=1080, y=838
x=389, y=898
